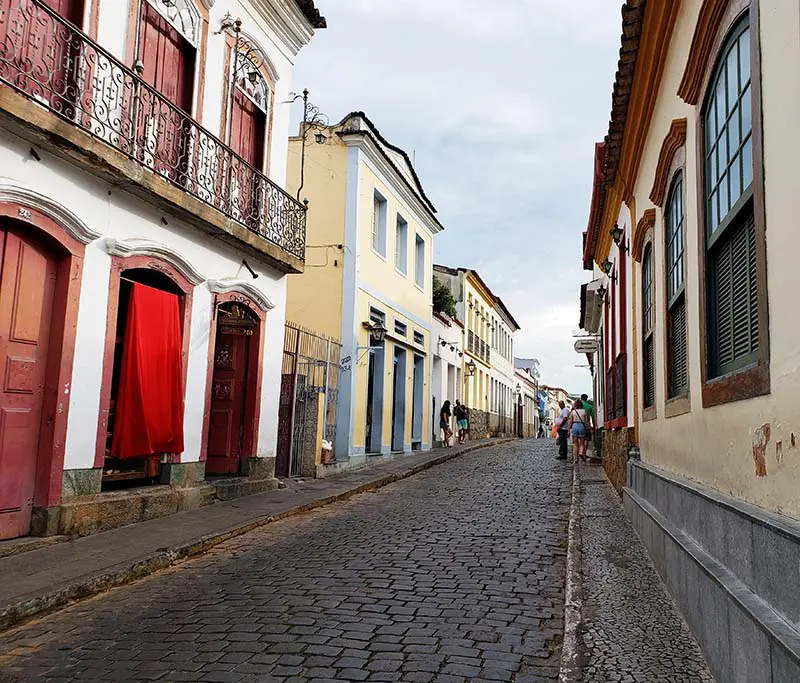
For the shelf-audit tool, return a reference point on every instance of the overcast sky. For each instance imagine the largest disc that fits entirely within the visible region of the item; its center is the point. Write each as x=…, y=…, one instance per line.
x=500, y=104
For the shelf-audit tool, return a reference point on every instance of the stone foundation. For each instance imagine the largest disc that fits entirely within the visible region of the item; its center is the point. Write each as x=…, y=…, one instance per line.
x=615, y=445
x=81, y=482
x=183, y=474
x=478, y=424
x=731, y=568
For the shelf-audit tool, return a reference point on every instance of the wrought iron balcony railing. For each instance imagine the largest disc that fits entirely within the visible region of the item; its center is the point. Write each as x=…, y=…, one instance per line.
x=51, y=61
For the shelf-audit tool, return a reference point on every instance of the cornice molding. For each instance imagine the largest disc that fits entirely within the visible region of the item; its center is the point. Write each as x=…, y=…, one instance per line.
x=701, y=51
x=643, y=227
x=141, y=247
x=364, y=141
x=74, y=226
x=674, y=140
x=245, y=288
x=288, y=22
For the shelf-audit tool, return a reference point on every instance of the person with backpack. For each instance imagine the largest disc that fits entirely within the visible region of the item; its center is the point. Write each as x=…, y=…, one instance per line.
x=462, y=420
x=579, y=428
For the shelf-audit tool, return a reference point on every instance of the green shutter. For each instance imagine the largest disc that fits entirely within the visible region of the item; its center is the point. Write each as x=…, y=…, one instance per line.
x=678, y=358
x=734, y=299
x=649, y=373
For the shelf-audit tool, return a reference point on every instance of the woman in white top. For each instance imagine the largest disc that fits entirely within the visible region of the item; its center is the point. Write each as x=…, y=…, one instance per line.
x=579, y=428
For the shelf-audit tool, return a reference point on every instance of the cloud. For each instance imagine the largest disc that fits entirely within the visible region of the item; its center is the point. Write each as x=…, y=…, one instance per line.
x=500, y=103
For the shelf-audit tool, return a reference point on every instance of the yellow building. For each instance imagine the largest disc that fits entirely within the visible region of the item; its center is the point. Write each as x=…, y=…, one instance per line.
x=474, y=305
x=368, y=269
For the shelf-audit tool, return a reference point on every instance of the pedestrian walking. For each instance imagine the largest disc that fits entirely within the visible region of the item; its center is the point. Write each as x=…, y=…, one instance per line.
x=444, y=423
x=540, y=433
x=462, y=420
x=562, y=427
x=579, y=428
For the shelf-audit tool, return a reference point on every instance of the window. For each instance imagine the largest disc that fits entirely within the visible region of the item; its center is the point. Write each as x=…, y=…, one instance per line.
x=731, y=288
x=677, y=361
x=419, y=266
x=648, y=361
x=379, y=224
x=400, y=328
x=401, y=246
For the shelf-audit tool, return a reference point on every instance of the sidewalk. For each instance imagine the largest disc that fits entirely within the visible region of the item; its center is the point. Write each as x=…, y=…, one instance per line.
x=630, y=629
x=48, y=578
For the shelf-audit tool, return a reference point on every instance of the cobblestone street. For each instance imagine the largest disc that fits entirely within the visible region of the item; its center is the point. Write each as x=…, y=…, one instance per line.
x=632, y=630
x=455, y=574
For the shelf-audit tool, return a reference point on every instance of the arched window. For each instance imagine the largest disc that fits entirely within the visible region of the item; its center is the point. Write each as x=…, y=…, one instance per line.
x=648, y=360
x=677, y=360
x=730, y=233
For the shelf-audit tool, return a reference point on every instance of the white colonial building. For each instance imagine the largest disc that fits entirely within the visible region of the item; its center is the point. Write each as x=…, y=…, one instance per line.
x=447, y=382
x=145, y=240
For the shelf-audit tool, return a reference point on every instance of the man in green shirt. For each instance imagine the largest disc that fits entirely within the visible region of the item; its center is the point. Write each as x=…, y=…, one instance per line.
x=589, y=408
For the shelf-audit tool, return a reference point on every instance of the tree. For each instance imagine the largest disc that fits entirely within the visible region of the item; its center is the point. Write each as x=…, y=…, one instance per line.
x=443, y=301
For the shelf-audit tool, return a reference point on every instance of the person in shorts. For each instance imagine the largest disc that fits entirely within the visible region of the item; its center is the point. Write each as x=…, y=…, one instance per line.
x=444, y=423
x=462, y=421
x=579, y=428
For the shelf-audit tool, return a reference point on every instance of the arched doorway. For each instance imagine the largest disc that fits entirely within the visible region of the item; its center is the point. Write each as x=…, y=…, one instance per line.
x=235, y=387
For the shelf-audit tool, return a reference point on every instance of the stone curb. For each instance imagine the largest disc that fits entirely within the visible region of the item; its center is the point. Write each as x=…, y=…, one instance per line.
x=86, y=587
x=570, y=670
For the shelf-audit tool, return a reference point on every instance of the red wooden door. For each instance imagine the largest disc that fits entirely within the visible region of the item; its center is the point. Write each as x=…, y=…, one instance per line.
x=27, y=283
x=228, y=387
x=248, y=132
x=40, y=55
x=169, y=62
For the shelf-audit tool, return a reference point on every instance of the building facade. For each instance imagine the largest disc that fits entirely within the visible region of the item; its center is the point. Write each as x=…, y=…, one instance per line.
x=447, y=384
x=503, y=398
x=488, y=368
x=369, y=283
x=697, y=178
x=526, y=394
x=137, y=213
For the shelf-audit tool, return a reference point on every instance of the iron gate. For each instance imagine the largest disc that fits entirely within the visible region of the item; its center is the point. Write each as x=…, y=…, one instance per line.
x=310, y=375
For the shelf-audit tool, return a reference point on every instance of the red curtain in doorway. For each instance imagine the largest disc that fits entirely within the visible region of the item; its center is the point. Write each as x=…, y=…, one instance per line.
x=150, y=398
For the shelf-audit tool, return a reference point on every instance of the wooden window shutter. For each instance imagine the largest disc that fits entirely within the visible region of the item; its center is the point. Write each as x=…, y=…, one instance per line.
x=649, y=373
x=678, y=365
x=735, y=299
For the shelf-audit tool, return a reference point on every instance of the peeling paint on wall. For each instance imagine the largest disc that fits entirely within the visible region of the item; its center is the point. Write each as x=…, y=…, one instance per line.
x=779, y=451
x=760, y=441
x=794, y=442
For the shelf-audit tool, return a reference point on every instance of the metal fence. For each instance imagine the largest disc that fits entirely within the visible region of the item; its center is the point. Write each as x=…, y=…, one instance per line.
x=54, y=63
x=310, y=375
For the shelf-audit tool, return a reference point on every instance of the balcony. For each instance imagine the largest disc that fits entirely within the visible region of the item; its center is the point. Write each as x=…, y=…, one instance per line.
x=70, y=96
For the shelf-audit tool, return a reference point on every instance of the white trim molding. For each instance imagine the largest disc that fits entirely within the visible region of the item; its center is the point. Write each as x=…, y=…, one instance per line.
x=75, y=227
x=256, y=295
x=141, y=247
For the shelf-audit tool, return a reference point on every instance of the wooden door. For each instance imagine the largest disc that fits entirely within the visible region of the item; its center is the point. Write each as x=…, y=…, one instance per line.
x=248, y=133
x=169, y=62
x=228, y=388
x=40, y=55
x=27, y=283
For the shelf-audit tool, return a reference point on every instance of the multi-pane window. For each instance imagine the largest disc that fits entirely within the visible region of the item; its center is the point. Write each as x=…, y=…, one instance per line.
x=648, y=360
x=419, y=264
x=378, y=240
x=730, y=228
x=677, y=361
x=401, y=246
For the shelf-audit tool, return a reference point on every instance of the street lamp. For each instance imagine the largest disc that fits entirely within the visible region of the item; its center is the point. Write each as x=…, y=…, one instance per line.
x=313, y=119
x=470, y=368
x=377, y=332
x=616, y=235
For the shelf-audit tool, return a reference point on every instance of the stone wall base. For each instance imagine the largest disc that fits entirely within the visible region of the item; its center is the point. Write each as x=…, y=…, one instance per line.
x=616, y=443
x=84, y=510
x=478, y=424
x=731, y=568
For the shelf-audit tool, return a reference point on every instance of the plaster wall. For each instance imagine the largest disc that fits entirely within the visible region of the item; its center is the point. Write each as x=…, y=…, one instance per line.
x=314, y=298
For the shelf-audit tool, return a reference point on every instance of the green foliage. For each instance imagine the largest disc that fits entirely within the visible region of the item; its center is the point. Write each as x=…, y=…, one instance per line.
x=443, y=301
